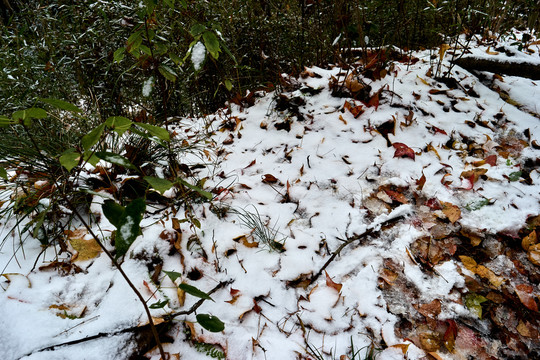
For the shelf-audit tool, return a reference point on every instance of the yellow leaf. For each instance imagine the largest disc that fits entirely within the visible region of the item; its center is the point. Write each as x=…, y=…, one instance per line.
x=402, y=347
x=451, y=211
x=484, y=272
x=529, y=240
x=442, y=50
x=422, y=80
x=534, y=254
x=491, y=52
x=469, y=263
x=85, y=249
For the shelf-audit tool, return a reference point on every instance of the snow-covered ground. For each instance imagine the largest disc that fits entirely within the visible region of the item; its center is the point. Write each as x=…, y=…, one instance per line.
x=436, y=175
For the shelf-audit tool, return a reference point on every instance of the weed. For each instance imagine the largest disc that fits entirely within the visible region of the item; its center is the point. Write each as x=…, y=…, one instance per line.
x=260, y=230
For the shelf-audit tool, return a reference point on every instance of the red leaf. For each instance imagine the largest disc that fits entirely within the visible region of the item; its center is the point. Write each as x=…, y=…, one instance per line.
x=450, y=335
x=524, y=292
x=332, y=284
x=403, y=150
x=491, y=160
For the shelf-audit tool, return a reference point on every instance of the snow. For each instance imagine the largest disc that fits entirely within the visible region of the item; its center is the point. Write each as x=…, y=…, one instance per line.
x=198, y=54
x=331, y=170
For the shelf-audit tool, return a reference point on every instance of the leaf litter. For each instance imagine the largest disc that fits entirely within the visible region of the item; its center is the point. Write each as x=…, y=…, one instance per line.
x=330, y=156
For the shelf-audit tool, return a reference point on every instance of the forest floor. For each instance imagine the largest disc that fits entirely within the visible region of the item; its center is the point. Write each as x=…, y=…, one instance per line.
x=390, y=213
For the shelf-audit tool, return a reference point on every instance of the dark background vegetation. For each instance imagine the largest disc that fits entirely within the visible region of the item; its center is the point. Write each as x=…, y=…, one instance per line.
x=65, y=49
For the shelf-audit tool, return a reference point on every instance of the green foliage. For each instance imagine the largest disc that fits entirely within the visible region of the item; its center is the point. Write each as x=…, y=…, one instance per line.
x=210, y=323
x=261, y=231
x=192, y=290
x=209, y=350
x=126, y=221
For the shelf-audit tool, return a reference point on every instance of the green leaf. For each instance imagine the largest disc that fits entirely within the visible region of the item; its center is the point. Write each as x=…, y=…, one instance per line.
x=514, y=176
x=3, y=173
x=175, y=58
x=210, y=323
x=477, y=205
x=167, y=72
x=169, y=3
x=91, y=158
x=32, y=113
x=197, y=29
x=203, y=193
x=119, y=54
x=92, y=137
x=473, y=302
x=161, y=185
x=159, y=304
x=5, y=121
x=119, y=124
x=61, y=104
x=156, y=131
x=115, y=159
x=212, y=43
x=228, y=84
x=192, y=290
x=134, y=41
x=113, y=212
x=128, y=228
x=173, y=275
x=70, y=158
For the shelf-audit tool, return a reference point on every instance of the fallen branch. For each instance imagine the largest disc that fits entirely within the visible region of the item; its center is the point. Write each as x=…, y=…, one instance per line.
x=372, y=230
x=514, y=68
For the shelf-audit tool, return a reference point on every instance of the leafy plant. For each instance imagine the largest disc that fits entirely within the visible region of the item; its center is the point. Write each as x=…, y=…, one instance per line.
x=261, y=231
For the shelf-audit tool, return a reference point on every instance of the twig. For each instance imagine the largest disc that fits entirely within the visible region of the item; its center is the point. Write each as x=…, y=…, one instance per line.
x=370, y=231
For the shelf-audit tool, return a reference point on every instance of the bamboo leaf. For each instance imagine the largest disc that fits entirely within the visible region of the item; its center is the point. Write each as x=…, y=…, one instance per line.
x=192, y=290
x=115, y=159
x=92, y=137
x=119, y=124
x=61, y=104
x=205, y=194
x=212, y=43
x=69, y=159
x=158, y=184
x=210, y=323
x=156, y=131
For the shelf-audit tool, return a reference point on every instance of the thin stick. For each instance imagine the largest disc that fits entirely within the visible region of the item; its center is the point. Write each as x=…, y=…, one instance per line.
x=370, y=231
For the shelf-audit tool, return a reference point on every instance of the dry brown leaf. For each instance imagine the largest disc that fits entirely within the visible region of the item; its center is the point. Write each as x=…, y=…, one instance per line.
x=388, y=276
x=488, y=51
x=342, y=119
x=269, y=179
x=430, y=341
x=534, y=254
x=402, y=347
x=332, y=284
x=529, y=240
x=452, y=212
x=526, y=329
x=435, y=355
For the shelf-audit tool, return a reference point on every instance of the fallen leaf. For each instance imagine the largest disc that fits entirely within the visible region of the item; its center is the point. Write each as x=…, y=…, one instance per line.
x=388, y=276
x=450, y=335
x=484, y=272
x=86, y=249
x=421, y=182
x=269, y=179
x=534, y=254
x=332, y=284
x=422, y=80
x=430, y=341
x=529, y=240
x=526, y=296
x=469, y=263
x=473, y=175
x=342, y=119
x=474, y=303
x=403, y=150
x=402, y=347
x=526, y=329
x=488, y=51
x=452, y=212
x=355, y=110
